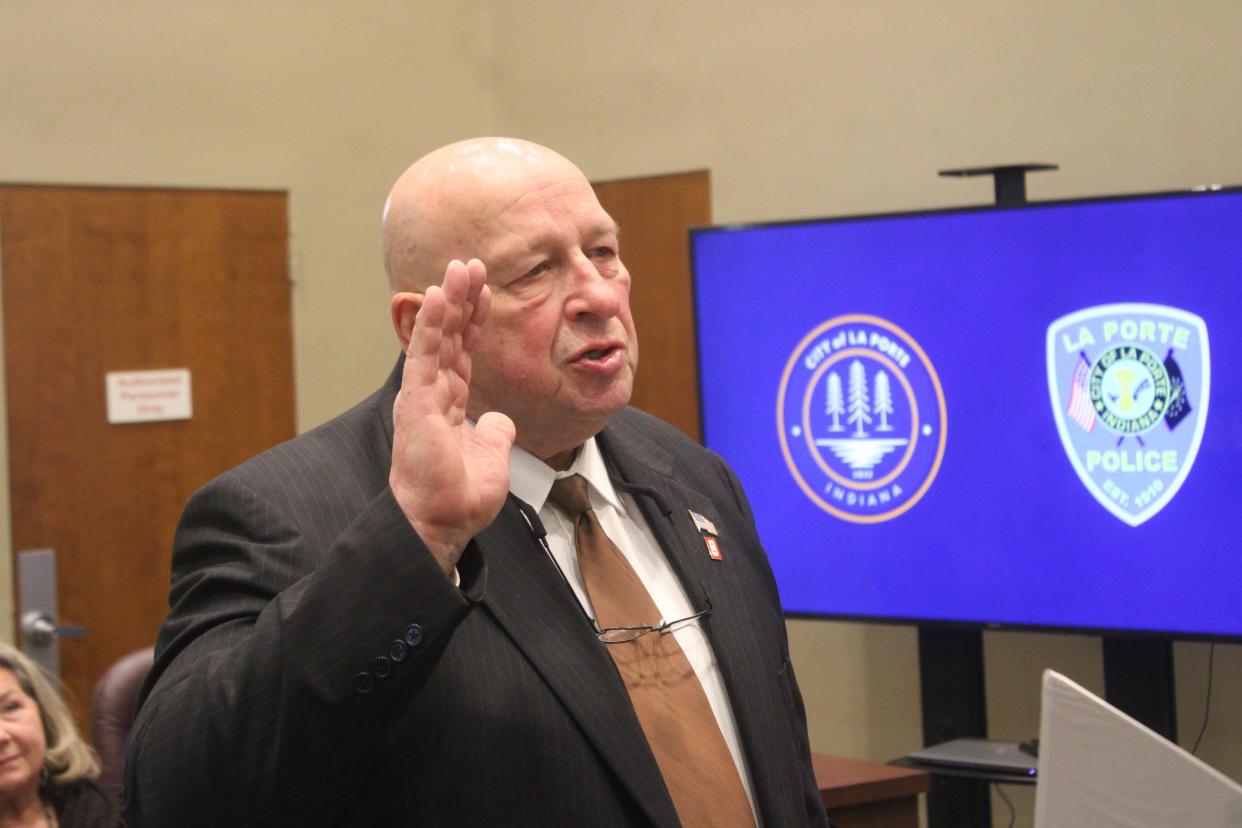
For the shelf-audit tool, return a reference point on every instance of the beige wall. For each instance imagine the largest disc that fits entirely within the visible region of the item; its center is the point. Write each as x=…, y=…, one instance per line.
x=799, y=108
x=805, y=108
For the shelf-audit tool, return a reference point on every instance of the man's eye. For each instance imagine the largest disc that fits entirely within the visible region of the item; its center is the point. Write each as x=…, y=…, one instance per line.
x=602, y=252
x=542, y=267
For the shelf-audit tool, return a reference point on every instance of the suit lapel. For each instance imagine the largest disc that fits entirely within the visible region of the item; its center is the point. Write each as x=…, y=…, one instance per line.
x=532, y=604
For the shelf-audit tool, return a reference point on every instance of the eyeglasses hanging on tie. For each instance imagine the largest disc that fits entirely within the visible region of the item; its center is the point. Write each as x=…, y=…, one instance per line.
x=608, y=635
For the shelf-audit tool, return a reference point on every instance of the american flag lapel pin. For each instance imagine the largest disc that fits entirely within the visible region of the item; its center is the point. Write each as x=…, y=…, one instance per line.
x=708, y=530
x=703, y=524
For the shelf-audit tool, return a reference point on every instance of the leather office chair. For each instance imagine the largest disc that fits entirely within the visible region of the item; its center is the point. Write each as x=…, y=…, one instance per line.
x=112, y=715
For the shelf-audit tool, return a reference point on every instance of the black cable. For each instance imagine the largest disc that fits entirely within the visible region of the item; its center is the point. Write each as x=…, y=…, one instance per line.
x=1013, y=813
x=1207, y=704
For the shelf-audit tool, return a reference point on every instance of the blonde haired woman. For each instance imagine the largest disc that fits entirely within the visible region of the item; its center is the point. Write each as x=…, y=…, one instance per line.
x=46, y=771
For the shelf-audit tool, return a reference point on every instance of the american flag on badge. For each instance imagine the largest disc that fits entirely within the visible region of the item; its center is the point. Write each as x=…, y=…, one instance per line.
x=1079, y=408
x=702, y=524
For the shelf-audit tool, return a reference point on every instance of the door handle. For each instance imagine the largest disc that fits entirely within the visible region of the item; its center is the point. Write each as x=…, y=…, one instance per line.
x=41, y=630
x=37, y=609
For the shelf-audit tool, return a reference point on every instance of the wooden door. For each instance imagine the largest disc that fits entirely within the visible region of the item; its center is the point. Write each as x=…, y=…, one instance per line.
x=655, y=215
x=103, y=279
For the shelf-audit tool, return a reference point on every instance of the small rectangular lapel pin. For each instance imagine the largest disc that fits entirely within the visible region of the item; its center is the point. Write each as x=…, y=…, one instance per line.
x=713, y=548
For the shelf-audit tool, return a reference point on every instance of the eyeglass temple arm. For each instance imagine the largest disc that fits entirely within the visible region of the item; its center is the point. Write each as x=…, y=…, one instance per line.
x=540, y=534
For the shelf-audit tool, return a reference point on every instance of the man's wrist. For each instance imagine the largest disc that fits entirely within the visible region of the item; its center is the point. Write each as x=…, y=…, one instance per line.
x=445, y=543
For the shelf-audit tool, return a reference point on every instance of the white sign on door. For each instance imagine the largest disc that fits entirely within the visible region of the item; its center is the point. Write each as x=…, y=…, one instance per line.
x=149, y=396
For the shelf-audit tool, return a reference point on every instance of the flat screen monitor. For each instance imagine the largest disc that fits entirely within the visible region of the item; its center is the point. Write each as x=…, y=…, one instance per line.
x=1026, y=416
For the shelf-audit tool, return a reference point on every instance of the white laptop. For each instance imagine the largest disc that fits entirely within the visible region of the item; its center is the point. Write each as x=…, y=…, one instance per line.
x=1098, y=767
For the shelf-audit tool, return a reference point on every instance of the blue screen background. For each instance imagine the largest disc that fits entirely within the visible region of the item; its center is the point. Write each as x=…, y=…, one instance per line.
x=1007, y=533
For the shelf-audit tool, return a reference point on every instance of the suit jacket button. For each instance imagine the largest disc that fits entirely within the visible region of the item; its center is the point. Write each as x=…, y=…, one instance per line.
x=363, y=683
x=381, y=667
x=398, y=650
x=413, y=635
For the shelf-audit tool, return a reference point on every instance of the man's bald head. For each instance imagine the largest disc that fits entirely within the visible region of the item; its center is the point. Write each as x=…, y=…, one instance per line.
x=440, y=205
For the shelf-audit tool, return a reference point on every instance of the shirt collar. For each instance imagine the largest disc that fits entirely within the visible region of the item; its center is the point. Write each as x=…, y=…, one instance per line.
x=531, y=479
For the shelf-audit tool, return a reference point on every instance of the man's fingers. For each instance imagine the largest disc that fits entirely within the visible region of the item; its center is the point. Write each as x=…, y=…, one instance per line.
x=481, y=308
x=462, y=284
x=446, y=323
x=477, y=276
x=457, y=282
x=429, y=323
x=497, y=431
x=422, y=359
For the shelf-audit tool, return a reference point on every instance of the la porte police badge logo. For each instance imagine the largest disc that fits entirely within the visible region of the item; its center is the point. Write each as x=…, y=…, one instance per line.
x=1129, y=386
x=861, y=418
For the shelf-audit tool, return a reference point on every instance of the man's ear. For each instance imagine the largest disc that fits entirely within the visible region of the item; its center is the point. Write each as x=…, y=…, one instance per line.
x=405, y=307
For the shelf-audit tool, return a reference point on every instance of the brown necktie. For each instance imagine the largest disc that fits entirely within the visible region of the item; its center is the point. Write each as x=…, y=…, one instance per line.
x=667, y=696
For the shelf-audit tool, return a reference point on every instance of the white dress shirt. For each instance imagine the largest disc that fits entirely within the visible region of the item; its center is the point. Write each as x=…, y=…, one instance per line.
x=531, y=480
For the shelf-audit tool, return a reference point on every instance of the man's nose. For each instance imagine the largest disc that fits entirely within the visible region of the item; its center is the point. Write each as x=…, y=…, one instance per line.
x=593, y=293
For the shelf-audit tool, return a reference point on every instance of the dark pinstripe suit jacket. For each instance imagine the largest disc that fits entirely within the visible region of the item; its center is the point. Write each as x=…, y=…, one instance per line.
x=279, y=697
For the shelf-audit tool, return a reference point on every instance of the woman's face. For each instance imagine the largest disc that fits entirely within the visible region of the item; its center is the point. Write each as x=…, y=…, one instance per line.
x=22, y=741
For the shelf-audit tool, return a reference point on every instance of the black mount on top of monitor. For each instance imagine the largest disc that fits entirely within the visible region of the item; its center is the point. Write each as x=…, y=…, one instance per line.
x=1138, y=672
x=1009, y=179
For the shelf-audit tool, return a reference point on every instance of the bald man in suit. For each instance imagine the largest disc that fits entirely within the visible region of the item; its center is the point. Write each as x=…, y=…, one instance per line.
x=384, y=620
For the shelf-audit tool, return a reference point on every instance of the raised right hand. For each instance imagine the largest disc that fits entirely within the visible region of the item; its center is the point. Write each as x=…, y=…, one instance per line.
x=449, y=477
